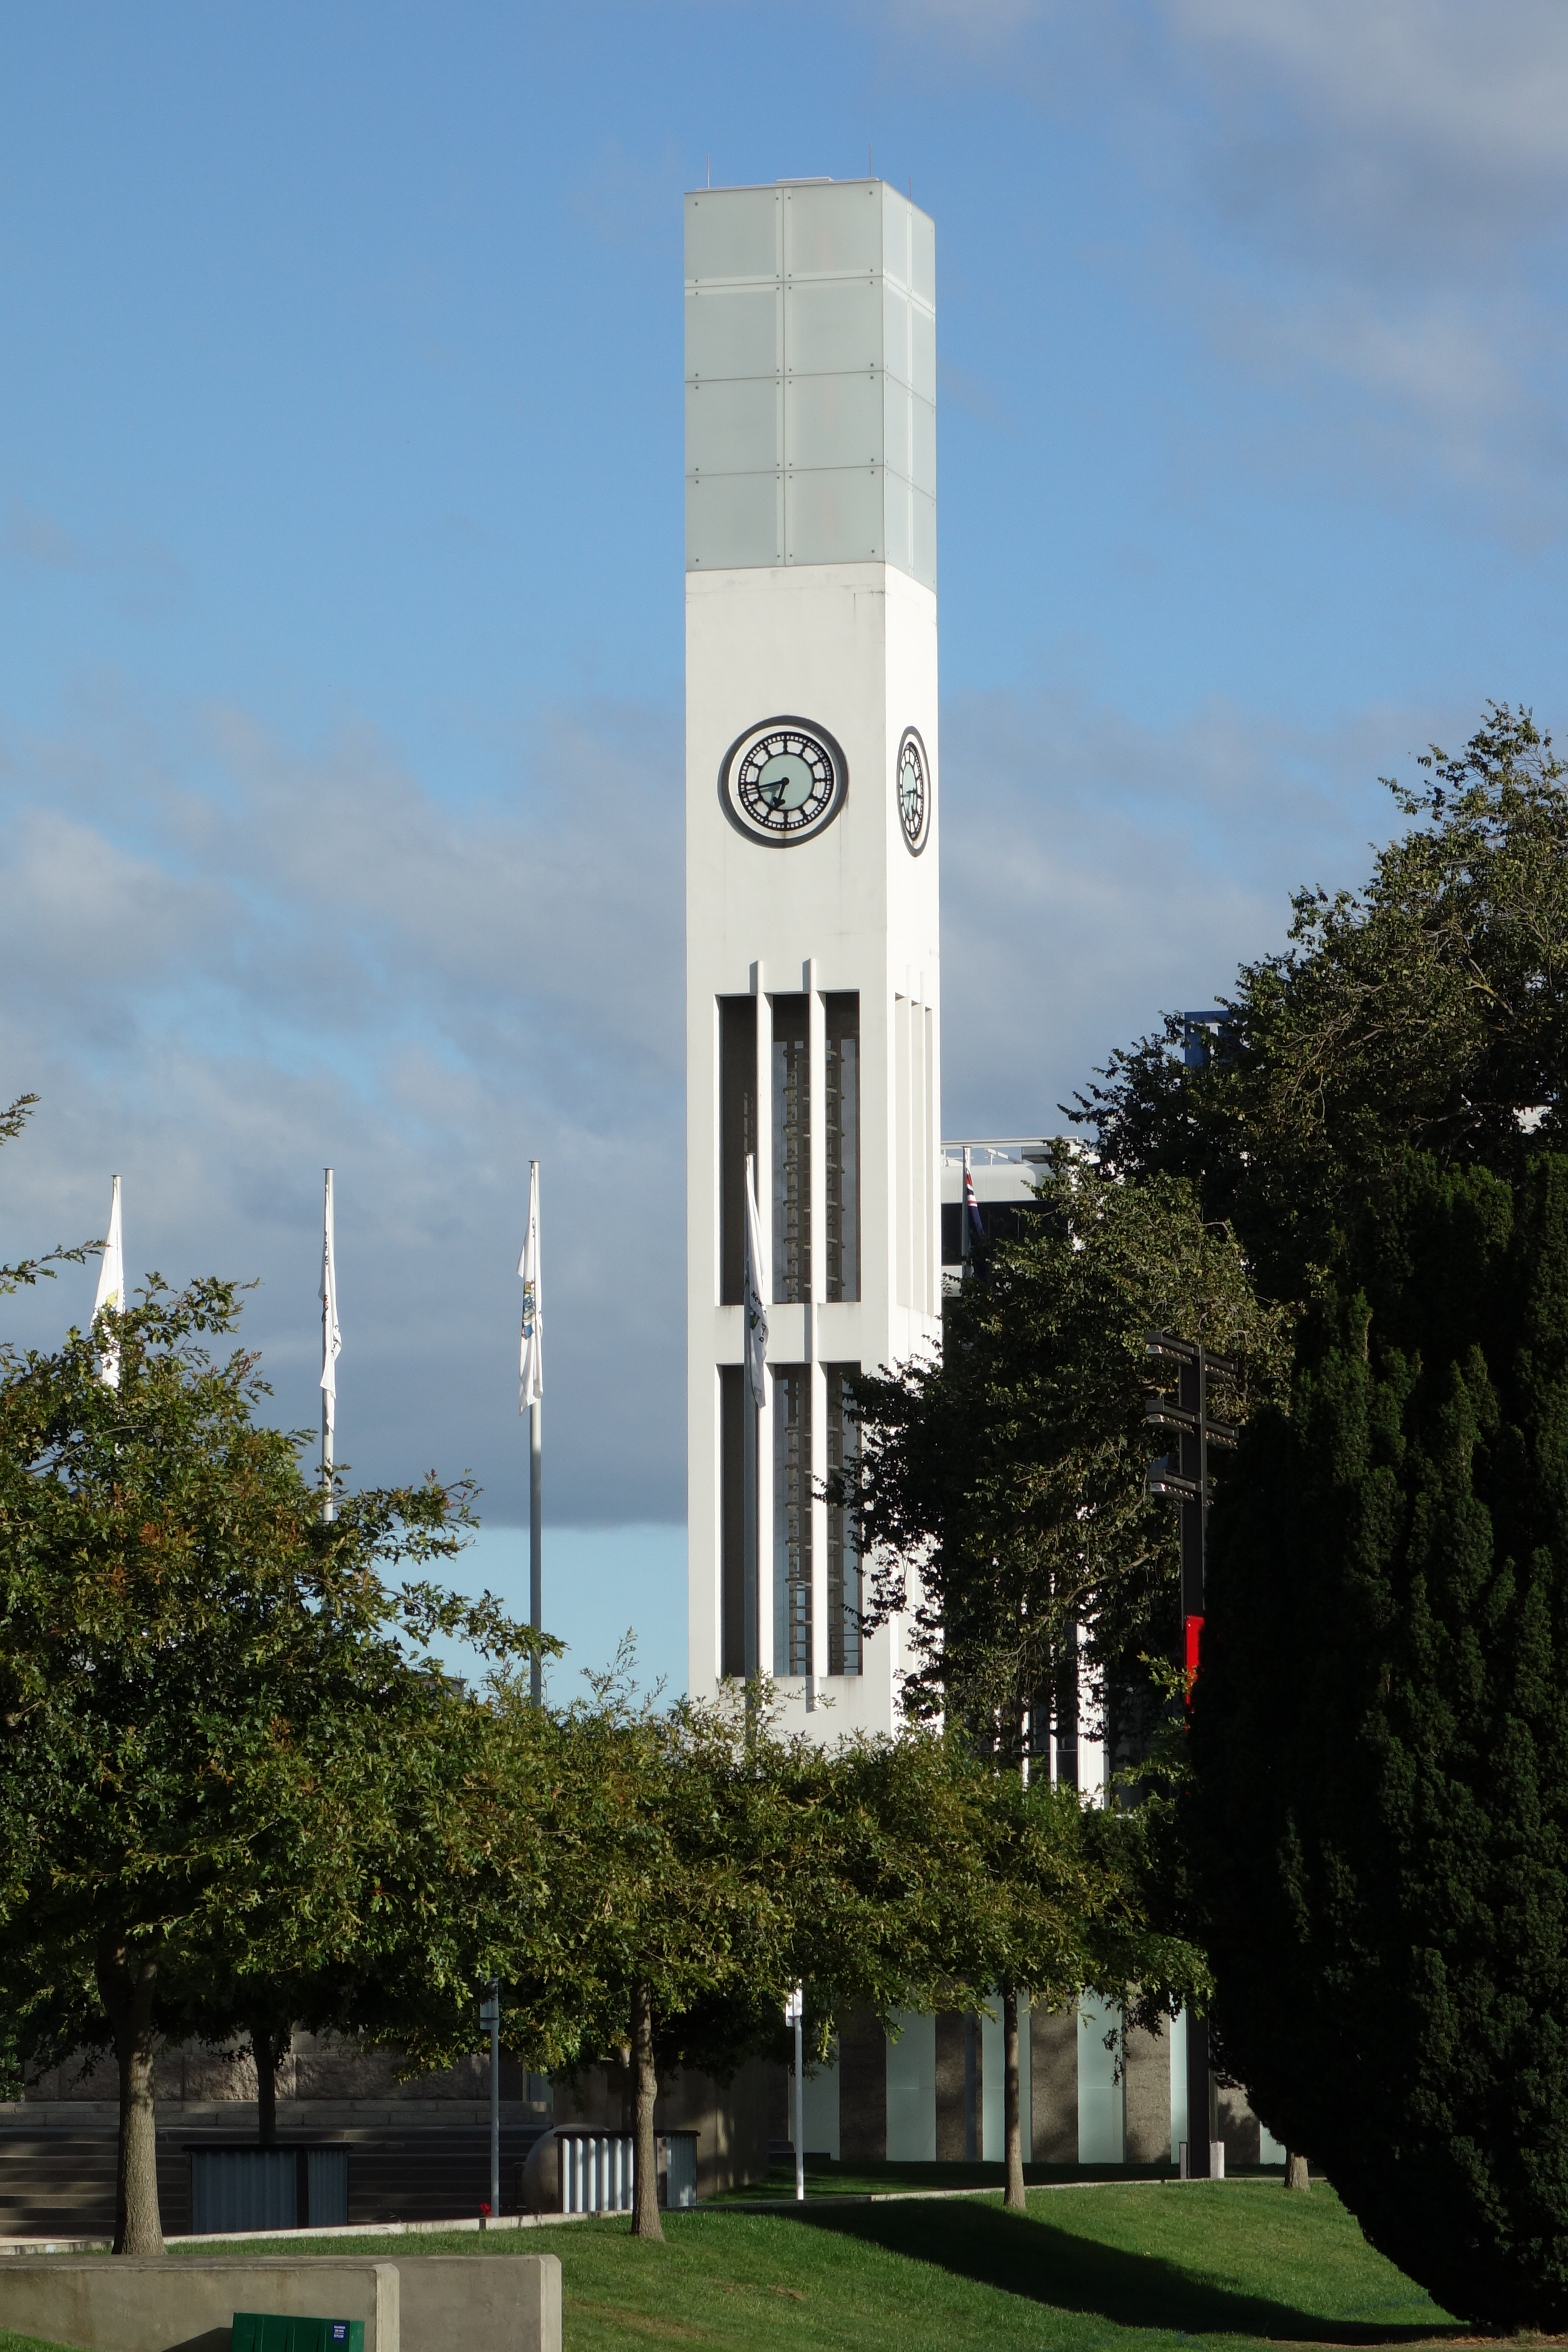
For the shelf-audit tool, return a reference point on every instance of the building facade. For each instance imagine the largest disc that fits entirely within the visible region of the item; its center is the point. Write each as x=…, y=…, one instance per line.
x=813, y=832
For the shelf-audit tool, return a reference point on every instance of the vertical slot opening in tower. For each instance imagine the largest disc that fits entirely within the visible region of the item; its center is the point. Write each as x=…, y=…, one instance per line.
x=841, y=1119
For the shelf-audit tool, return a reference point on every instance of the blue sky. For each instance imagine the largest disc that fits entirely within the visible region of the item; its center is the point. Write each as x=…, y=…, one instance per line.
x=341, y=606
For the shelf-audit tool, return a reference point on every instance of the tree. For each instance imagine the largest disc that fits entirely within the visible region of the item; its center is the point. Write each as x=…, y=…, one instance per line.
x=1378, y=1823
x=205, y=1703
x=1001, y=1493
x=1429, y=1011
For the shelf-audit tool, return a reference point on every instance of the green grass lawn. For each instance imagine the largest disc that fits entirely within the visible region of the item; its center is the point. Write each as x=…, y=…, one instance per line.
x=1134, y=2268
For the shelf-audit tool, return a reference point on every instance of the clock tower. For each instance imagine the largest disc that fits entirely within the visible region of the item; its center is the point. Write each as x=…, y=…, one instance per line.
x=813, y=818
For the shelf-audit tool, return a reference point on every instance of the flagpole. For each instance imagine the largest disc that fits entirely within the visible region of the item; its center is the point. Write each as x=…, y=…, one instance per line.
x=330, y=1343
x=529, y=1397
x=536, y=1540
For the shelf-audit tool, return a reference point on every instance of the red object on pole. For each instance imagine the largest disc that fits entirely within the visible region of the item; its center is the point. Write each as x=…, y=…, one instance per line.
x=1193, y=1627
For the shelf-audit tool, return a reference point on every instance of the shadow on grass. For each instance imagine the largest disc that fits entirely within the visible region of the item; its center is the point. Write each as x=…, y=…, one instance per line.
x=1027, y=2257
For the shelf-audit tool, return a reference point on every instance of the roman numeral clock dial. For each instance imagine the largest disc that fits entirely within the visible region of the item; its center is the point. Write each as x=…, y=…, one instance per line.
x=783, y=781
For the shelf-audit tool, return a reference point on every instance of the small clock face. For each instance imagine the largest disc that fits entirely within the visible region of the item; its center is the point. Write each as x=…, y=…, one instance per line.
x=783, y=781
x=913, y=788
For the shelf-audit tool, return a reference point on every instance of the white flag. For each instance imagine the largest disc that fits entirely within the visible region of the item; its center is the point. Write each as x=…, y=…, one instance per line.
x=531, y=1356
x=754, y=1291
x=332, y=1335
x=111, y=1287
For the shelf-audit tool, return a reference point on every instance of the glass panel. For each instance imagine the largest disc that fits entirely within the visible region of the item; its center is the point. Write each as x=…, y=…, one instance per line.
x=737, y=1135
x=922, y=265
x=792, y=1519
x=922, y=353
x=732, y=427
x=1099, y=2095
x=833, y=229
x=924, y=565
x=898, y=521
x=732, y=521
x=843, y=1557
x=733, y=233
x=895, y=236
x=834, y=517
x=791, y=1150
x=897, y=445
x=924, y=438
x=732, y=334
x=841, y=1112
x=911, y=2091
x=832, y=326
x=833, y=420
x=895, y=332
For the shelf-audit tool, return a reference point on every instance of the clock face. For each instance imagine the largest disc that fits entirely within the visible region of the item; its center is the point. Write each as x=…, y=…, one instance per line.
x=913, y=789
x=783, y=781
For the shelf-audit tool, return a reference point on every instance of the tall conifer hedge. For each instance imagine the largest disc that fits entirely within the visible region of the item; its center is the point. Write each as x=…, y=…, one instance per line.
x=1379, y=1739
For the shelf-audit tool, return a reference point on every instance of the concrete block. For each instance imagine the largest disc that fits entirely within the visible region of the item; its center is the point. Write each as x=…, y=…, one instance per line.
x=1147, y=2096
x=485, y=2303
x=1053, y=2066
x=116, y=2303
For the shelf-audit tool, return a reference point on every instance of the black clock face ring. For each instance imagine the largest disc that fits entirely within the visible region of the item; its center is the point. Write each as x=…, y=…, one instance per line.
x=782, y=781
x=912, y=782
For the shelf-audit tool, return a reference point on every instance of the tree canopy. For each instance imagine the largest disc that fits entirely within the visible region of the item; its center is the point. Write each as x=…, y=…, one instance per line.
x=1427, y=1011
x=206, y=1700
x=1001, y=1491
x=1378, y=1826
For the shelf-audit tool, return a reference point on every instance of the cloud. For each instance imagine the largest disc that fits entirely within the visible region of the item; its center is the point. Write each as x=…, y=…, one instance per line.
x=230, y=961
x=1097, y=873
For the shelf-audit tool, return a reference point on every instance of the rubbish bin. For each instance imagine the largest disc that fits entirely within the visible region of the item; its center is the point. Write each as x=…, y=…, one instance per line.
x=270, y=2331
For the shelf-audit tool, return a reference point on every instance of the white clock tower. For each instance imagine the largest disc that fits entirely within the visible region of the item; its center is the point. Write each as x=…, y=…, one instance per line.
x=812, y=824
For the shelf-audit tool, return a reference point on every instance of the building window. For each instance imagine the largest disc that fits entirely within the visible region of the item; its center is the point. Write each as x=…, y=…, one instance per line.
x=791, y=1150
x=792, y=1519
x=737, y=1135
x=732, y=1401
x=843, y=1556
x=841, y=1101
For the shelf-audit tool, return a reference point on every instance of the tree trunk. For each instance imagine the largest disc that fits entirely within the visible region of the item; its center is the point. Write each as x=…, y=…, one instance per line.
x=269, y=2051
x=129, y=1988
x=646, y=2222
x=1295, y=2170
x=1012, y=2102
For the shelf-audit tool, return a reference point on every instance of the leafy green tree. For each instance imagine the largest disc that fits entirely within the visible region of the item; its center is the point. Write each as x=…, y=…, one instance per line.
x=206, y=1700
x=1002, y=1497
x=1001, y=1491
x=1378, y=1823
x=1427, y=1011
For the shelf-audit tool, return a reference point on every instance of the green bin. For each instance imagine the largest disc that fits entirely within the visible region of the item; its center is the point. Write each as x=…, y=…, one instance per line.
x=269, y=2331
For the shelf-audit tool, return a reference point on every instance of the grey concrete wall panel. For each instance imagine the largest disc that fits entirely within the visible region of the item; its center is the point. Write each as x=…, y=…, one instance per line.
x=1053, y=2063
x=128, y=2306
x=811, y=356
x=1239, y=2126
x=1147, y=2096
x=950, y=2134
x=862, y=2091
x=497, y=2302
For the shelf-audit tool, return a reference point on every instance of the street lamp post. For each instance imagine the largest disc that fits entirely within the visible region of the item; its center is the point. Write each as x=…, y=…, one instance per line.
x=795, y=2014
x=489, y=2015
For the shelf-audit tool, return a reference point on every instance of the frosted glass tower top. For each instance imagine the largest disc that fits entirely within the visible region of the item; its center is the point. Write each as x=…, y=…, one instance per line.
x=810, y=378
